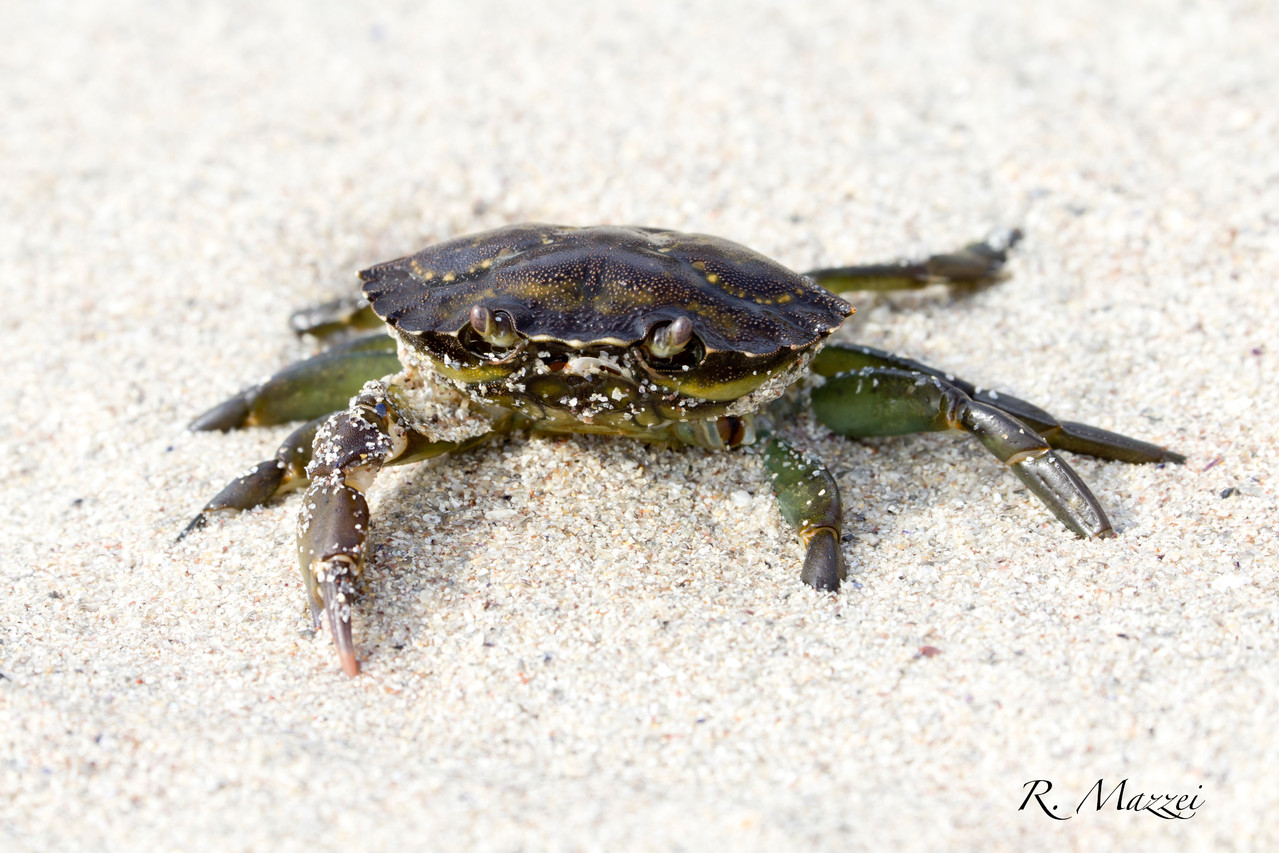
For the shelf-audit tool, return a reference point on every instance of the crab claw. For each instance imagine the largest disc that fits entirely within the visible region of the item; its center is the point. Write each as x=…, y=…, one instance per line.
x=337, y=590
x=331, y=536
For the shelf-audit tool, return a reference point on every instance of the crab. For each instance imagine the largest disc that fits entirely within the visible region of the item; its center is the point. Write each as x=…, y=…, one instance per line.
x=645, y=333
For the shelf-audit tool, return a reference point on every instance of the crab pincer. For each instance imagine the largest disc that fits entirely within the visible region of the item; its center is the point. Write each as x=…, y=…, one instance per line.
x=350, y=449
x=331, y=535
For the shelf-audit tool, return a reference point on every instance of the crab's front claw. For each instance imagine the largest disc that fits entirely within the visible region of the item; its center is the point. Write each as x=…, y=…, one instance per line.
x=331, y=534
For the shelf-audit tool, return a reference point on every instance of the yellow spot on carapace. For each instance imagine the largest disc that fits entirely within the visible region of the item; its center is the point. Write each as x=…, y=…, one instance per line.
x=449, y=276
x=712, y=278
x=698, y=265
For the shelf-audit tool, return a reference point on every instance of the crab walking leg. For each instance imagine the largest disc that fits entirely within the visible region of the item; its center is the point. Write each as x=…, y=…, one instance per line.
x=317, y=386
x=891, y=401
x=809, y=501
x=327, y=318
x=350, y=448
x=977, y=262
x=282, y=473
x=1062, y=435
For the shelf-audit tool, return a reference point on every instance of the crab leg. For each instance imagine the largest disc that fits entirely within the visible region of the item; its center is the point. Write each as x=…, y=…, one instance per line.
x=975, y=263
x=327, y=318
x=285, y=471
x=308, y=389
x=1062, y=435
x=809, y=501
x=892, y=401
x=350, y=449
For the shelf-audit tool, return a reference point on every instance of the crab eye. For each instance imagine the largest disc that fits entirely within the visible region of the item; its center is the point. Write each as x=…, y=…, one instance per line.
x=674, y=345
x=489, y=333
x=670, y=338
x=496, y=327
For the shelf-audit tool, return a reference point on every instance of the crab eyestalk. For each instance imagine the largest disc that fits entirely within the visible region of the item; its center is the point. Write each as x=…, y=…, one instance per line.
x=495, y=327
x=670, y=339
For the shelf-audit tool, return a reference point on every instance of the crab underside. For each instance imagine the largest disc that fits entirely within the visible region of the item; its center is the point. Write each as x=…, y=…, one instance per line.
x=645, y=333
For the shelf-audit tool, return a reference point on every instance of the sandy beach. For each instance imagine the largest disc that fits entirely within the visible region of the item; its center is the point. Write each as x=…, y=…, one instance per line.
x=588, y=643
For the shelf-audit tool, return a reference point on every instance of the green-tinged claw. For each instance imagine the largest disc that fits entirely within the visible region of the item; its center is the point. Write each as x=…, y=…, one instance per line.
x=338, y=595
x=336, y=582
x=809, y=501
x=331, y=537
x=350, y=449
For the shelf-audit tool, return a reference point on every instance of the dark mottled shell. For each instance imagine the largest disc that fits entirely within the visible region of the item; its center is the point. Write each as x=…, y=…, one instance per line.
x=605, y=285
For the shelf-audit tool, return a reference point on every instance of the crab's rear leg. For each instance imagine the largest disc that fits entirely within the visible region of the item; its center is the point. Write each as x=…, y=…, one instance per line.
x=339, y=315
x=975, y=263
x=1061, y=435
x=306, y=389
x=350, y=449
x=876, y=401
x=281, y=473
x=809, y=501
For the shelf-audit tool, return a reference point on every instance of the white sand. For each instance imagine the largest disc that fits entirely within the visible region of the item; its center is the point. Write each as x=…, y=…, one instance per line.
x=591, y=644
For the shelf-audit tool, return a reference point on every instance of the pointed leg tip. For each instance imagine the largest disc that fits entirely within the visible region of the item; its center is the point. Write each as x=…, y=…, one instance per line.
x=1007, y=238
x=342, y=639
x=195, y=524
x=824, y=566
x=228, y=415
x=338, y=591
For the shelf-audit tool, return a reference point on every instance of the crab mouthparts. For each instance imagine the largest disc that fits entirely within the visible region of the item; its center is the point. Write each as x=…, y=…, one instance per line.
x=592, y=365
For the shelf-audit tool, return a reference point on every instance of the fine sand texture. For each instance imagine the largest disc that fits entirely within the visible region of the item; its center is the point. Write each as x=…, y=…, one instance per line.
x=589, y=643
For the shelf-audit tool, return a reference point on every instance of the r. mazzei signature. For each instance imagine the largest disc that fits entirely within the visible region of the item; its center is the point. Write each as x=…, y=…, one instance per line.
x=1166, y=806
